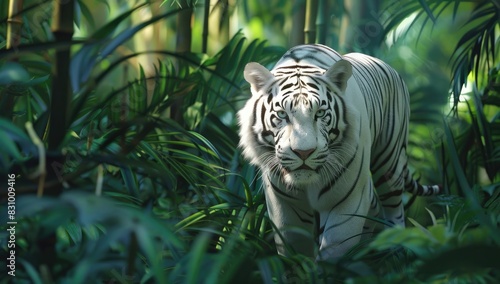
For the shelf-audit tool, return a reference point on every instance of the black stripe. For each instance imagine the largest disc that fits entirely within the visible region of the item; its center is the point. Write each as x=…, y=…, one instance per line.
x=357, y=208
x=304, y=220
x=334, y=180
x=281, y=192
x=393, y=205
x=390, y=194
x=360, y=170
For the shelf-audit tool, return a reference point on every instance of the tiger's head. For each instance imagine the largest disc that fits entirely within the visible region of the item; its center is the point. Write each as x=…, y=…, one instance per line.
x=295, y=121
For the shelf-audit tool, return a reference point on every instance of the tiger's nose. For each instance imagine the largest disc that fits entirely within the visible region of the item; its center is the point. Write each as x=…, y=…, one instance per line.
x=304, y=154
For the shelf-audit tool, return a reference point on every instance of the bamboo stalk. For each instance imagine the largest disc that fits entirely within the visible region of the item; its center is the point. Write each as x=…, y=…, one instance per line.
x=224, y=21
x=205, y=26
x=321, y=21
x=350, y=35
x=183, y=36
x=62, y=28
x=219, y=20
x=14, y=25
x=183, y=45
x=310, y=24
x=360, y=30
x=298, y=22
x=133, y=248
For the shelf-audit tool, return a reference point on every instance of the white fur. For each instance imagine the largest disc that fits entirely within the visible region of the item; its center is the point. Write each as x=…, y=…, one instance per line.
x=297, y=167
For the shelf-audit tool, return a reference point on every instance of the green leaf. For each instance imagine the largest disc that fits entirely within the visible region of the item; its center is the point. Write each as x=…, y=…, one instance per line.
x=13, y=73
x=194, y=266
x=32, y=272
x=427, y=9
x=74, y=231
x=9, y=147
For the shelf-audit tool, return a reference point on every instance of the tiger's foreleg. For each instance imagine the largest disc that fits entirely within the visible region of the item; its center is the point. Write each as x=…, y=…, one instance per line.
x=348, y=224
x=293, y=218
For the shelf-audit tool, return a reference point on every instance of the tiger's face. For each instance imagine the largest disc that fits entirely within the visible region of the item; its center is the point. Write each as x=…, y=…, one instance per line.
x=298, y=121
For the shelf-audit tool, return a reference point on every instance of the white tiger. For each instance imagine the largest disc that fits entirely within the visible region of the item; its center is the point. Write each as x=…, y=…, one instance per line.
x=325, y=130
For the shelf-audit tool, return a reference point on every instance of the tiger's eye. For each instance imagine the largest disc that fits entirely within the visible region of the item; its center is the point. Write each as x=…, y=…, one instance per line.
x=320, y=113
x=282, y=114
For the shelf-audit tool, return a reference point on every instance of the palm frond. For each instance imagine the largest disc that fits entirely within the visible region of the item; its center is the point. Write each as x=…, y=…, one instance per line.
x=475, y=51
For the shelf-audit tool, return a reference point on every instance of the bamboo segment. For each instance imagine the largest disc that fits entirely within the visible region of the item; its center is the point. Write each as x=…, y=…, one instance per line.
x=349, y=24
x=321, y=21
x=62, y=28
x=183, y=40
x=206, y=16
x=310, y=25
x=298, y=22
x=183, y=45
x=219, y=20
x=14, y=23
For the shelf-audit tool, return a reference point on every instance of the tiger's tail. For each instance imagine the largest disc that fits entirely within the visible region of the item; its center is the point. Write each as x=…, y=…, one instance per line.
x=414, y=187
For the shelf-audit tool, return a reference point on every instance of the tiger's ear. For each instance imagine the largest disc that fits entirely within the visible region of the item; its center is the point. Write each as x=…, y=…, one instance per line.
x=339, y=73
x=257, y=75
